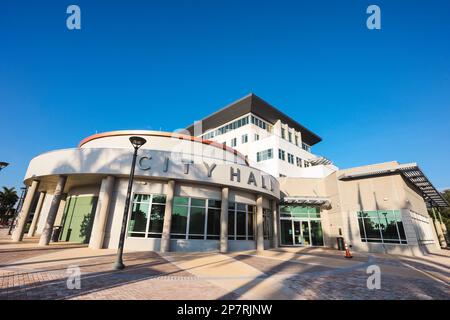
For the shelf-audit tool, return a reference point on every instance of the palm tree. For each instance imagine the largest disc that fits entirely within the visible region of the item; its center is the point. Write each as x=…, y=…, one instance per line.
x=8, y=198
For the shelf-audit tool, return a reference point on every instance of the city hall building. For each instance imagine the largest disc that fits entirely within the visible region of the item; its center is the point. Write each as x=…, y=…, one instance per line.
x=244, y=178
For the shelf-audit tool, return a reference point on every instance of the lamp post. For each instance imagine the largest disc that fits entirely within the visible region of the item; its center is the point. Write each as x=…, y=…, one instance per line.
x=3, y=165
x=137, y=142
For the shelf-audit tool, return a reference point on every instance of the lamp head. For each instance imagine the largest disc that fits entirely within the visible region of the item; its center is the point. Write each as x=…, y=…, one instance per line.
x=137, y=142
x=3, y=165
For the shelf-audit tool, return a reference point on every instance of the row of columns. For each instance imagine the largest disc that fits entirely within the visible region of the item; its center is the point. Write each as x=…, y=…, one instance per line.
x=103, y=208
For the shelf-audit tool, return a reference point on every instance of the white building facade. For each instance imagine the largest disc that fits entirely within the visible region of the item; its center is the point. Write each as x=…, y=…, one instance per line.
x=243, y=178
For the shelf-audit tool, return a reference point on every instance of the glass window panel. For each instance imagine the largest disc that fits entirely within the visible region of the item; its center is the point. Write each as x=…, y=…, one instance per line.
x=231, y=223
x=250, y=224
x=179, y=219
x=231, y=205
x=198, y=202
x=159, y=198
x=180, y=201
x=214, y=203
x=240, y=223
x=388, y=225
x=213, y=222
x=138, y=219
x=197, y=221
x=136, y=235
x=286, y=232
x=361, y=229
x=240, y=206
x=156, y=218
x=141, y=198
x=372, y=226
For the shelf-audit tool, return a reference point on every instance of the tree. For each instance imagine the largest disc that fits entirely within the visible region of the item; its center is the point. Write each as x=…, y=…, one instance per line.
x=8, y=198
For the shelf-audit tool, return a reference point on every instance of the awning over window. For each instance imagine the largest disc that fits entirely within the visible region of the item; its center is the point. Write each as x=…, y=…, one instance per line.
x=318, y=201
x=413, y=174
x=320, y=161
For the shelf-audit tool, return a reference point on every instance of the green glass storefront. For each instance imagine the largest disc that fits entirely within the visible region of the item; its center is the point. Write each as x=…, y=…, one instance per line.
x=300, y=226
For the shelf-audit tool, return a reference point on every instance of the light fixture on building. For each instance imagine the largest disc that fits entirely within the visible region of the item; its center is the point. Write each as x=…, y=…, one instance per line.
x=136, y=142
x=3, y=165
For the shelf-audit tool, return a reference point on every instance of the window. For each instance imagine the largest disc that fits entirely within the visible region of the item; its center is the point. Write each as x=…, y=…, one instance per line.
x=226, y=128
x=281, y=154
x=306, y=164
x=290, y=158
x=306, y=147
x=283, y=133
x=381, y=226
x=194, y=218
x=147, y=216
x=299, y=162
x=260, y=123
x=256, y=137
x=296, y=140
x=290, y=136
x=244, y=138
x=233, y=142
x=299, y=211
x=264, y=155
x=240, y=221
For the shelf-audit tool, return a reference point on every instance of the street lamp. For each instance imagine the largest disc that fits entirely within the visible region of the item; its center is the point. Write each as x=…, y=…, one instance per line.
x=3, y=165
x=137, y=142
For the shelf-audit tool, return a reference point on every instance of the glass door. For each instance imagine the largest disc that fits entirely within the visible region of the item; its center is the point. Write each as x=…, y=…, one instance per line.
x=298, y=239
x=286, y=232
x=305, y=233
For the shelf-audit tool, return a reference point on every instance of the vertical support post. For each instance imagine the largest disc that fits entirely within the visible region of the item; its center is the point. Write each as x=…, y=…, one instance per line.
x=25, y=212
x=275, y=224
x=37, y=214
x=102, y=213
x=53, y=211
x=224, y=221
x=165, y=237
x=259, y=224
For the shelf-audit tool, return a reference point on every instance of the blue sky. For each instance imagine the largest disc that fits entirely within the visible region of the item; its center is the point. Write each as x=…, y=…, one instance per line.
x=373, y=96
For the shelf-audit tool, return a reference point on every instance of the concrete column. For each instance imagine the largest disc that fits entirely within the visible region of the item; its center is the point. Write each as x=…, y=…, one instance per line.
x=165, y=237
x=224, y=221
x=37, y=214
x=48, y=228
x=259, y=224
x=443, y=226
x=101, y=213
x=438, y=227
x=25, y=212
x=275, y=224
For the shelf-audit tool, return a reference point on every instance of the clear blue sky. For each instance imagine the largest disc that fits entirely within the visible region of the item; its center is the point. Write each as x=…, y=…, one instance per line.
x=373, y=96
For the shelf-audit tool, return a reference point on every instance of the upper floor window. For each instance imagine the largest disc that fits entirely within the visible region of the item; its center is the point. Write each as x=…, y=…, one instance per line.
x=306, y=147
x=306, y=164
x=281, y=154
x=264, y=155
x=233, y=142
x=226, y=128
x=244, y=138
x=299, y=162
x=256, y=137
x=296, y=140
x=290, y=158
x=283, y=133
x=290, y=136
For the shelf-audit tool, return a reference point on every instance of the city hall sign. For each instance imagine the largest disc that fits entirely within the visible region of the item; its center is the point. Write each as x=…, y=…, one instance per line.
x=245, y=176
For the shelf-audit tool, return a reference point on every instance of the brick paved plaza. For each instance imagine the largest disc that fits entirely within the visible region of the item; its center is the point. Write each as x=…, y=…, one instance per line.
x=31, y=272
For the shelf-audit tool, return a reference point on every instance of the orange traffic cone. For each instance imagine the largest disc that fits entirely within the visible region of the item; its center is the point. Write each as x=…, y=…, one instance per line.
x=347, y=252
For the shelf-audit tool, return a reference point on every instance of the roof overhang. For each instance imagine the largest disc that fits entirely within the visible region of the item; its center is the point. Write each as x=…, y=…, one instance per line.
x=412, y=173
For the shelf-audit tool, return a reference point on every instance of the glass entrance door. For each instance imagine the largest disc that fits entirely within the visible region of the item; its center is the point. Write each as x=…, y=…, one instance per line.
x=298, y=240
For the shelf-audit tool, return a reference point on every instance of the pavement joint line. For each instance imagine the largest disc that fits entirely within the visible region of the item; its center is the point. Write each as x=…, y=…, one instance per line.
x=425, y=273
